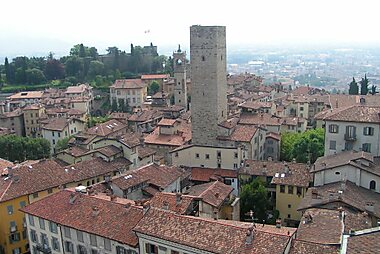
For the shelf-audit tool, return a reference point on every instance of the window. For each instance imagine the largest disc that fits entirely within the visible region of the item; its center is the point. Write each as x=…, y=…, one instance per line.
x=55, y=243
x=289, y=216
x=350, y=131
x=107, y=244
x=366, y=147
x=53, y=227
x=151, y=249
x=31, y=220
x=121, y=250
x=69, y=247
x=81, y=249
x=22, y=204
x=333, y=128
x=207, y=156
x=44, y=240
x=42, y=223
x=33, y=236
x=290, y=189
x=203, y=58
x=372, y=185
x=14, y=237
x=332, y=145
x=16, y=251
x=235, y=155
x=197, y=155
x=289, y=206
x=299, y=191
x=59, y=134
x=52, y=133
x=93, y=240
x=282, y=188
x=10, y=209
x=24, y=234
x=218, y=154
x=53, y=142
x=176, y=154
x=235, y=165
x=219, y=165
x=348, y=146
x=66, y=232
x=50, y=190
x=93, y=251
x=227, y=181
x=35, y=195
x=301, y=108
x=368, y=131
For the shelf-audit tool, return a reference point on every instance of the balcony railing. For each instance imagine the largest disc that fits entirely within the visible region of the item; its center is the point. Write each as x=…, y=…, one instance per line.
x=44, y=248
x=349, y=137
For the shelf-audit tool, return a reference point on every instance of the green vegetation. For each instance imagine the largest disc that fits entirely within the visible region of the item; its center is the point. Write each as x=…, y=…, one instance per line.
x=364, y=85
x=303, y=147
x=62, y=144
x=353, y=87
x=314, y=80
x=96, y=120
x=84, y=64
x=153, y=88
x=254, y=196
x=16, y=148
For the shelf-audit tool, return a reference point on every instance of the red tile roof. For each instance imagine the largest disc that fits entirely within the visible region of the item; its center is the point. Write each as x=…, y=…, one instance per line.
x=302, y=247
x=260, y=119
x=171, y=201
x=160, y=176
x=166, y=122
x=112, y=220
x=155, y=76
x=213, y=193
x=214, y=236
x=364, y=243
x=205, y=174
x=107, y=128
x=355, y=113
x=183, y=136
x=129, y=84
x=47, y=174
x=321, y=226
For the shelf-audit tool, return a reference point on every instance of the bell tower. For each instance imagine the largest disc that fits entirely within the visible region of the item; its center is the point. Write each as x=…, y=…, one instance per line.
x=180, y=89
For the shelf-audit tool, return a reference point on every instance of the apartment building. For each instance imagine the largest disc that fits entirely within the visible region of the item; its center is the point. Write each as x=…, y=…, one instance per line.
x=94, y=224
x=32, y=116
x=25, y=184
x=14, y=121
x=355, y=127
x=132, y=92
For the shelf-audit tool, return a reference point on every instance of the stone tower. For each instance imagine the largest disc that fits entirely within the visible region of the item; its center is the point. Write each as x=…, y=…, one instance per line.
x=180, y=89
x=209, y=82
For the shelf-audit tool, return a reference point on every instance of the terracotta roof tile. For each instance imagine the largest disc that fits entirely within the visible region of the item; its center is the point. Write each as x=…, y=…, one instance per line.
x=145, y=152
x=155, y=76
x=129, y=84
x=112, y=220
x=303, y=247
x=170, y=199
x=259, y=119
x=363, y=244
x=356, y=113
x=211, y=235
x=205, y=174
x=213, y=193
x=107, y=128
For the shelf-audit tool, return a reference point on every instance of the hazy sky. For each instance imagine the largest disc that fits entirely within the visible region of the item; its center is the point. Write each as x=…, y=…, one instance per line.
x=48, y=25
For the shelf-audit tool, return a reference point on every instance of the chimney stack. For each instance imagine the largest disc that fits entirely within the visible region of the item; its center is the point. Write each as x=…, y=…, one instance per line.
x=95, y=211
x=73, y=197
x=165, y=205
x=146, y=207
x=250, y=232
x=278, y=223
x=178, y=198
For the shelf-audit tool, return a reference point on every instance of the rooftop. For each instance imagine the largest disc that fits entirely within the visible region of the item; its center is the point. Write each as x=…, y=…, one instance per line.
x=213, y=193
x=107, y=128
x=111, y=220
x=129, y=84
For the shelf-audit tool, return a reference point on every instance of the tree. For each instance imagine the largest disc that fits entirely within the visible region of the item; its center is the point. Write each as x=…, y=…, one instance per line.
x=114, y=105
x=82, y=51
x=364, y=85
x=54, y=69
x=153, y=88
x=95, y=68
x=354, y=88
x=74, y=66
x=303, y=147
x=254, y=196
x=8, y=75
x=35, y=76
x=16, y=148
x=373, y=90
x=62, y=144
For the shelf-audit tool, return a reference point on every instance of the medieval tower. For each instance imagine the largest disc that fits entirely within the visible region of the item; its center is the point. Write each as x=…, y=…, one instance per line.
x=180, y=89
x=209, y=83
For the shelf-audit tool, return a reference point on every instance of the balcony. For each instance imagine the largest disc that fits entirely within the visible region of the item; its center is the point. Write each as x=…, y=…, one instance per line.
x=350, y=137
x=44, y=248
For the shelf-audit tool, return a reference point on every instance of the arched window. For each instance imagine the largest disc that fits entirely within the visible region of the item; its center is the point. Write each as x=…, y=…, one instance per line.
x=203, y=58
x=372, y=185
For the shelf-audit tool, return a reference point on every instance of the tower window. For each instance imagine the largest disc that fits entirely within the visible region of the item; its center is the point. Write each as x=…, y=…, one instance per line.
x=221, y=57
x=203, y=58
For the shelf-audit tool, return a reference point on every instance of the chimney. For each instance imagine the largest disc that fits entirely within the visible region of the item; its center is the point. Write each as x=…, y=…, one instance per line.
x=95, y=211
x=249, y=238
x=308, y=219
x=314, y=194
x=127, y=205
x=165, y=205
x=113, y=198
x=215, y=213
x=270, y=158
x=217, y=194
x=278, y=223
x=178, y=198
x=264, y=169
x=73, y=197
x=146, y=207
